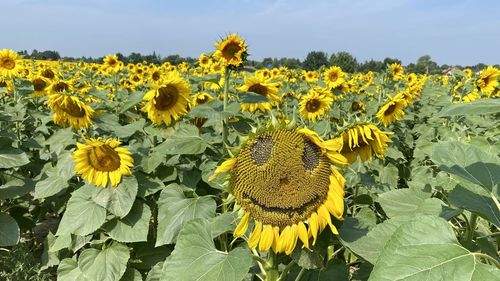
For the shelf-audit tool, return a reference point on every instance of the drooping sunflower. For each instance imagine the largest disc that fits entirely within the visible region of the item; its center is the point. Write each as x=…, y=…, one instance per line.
x=392, y=110
x=314, y=105
x=168, y=100
x=102, y=161
x=69, y=110
x=40, y=86
x=201, y=98
x=488, y=80
x=334, y=77
x=364, y=140
x=6, y=86
x=60, y=86
x=9, y=63
x=231, y=51
x=263, y=86
x=396, y=71
x=283, y=180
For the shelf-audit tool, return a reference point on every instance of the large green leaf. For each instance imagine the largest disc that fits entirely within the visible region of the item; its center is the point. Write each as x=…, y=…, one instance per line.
x=133, y=227
x=196, y=258
x=475, y=199
x=118, y=200
x=175, y=210
x=480, y=106
x=132, y=100
x=82, y=216
x=426, y=249
x=68, y=270
x=333, y=271
x=12, y=157
x=108, y=264
x=470, y=163
x=16, y=188
x=251, y=97
x=9, y=230
x=185, y=140
x=408, y=201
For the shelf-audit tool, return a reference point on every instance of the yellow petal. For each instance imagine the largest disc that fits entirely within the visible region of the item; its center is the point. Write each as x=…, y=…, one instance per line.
x=313, y=226
x=254, y=238
x=292, y=242
x=302, y=232
x=242, y=226
x=266, y=238
x=224, y=167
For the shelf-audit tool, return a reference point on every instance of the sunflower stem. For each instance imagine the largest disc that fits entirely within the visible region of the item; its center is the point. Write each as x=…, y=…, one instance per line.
x=488, y=258
x=225, y=129
x=471, y=227
x=301, y=273
x=286, y=270
x=272, y=267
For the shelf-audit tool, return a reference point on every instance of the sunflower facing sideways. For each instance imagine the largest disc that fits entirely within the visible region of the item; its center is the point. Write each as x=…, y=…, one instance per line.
x=102, y=161
x=168, y=100
x=396, y=71
x=283, y=180
x=488, y=80
x=314, y=105
x=263, y=86
x=69, y=110
x=363, y=140
x=231, y=51
x=392, y=110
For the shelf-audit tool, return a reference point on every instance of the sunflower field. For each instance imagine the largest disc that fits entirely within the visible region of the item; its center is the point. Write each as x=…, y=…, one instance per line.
x=219, y=171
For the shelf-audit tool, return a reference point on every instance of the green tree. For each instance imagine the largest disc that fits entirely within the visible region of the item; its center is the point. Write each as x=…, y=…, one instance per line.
x=315, y=60
x=426, y=65
x=371, y=65
x=345, y=60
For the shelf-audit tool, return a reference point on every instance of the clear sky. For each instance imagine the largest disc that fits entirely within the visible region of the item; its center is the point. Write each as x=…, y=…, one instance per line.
x=462, y=32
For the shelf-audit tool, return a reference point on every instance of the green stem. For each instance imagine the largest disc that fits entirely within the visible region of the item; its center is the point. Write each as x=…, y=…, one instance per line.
x=286, y=270
x=493, y=196
x=225, y=129
x=488, y=258
x=272, y=267
x=472, y=226
x=301, y=273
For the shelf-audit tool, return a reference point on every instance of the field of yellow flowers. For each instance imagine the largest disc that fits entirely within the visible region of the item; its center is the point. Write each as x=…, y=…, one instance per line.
x=219, y=171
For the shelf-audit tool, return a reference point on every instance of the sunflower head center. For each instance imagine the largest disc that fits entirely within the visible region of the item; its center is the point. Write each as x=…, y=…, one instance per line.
x=281, y=178
x=166, y=98
x=8, y=63
x=155, y=76
x=390, y=109
x=258, y=89
x=313, y=105
x=61, y=87
x=47, y=73
x=333, y=76
x=39, y=85
x=104, y=158
x=3, y=84
x=230, y=50
x=73, y=109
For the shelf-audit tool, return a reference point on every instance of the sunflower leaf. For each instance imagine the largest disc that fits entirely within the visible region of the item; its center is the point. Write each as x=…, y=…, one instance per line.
x=12, y=157
x=108, y=264
x=133, y=227
x=195, y=257
x=117, y=200
x=132, y=100
x=186, y=140
x=481, y=106
x=9, y=230
x=250, y=97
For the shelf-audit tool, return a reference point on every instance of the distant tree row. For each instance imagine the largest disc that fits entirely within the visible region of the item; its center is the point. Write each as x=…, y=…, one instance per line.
x=314, y=60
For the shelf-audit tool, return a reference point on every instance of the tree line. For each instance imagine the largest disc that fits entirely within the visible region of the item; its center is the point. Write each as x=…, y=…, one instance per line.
x=313, y=61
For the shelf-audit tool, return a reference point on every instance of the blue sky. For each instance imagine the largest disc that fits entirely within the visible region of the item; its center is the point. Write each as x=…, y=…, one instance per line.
x=453, y=32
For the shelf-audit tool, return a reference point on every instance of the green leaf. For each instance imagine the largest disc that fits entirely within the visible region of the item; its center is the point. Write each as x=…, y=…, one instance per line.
x=408, y=201
x=130, y=129
x=250, y=97
x=132, y=100
x=131, y=274
x=82, y=216
x=222, y=223
x=475, y=199
x=155, y=273
x=9, y=230
x=468, y=162
x=186, y=140
x=480, y=106
x=68, y=270
x=118, y=200
x=56, y=178
x=60, y=242
x=108, y=264
x=355, y=235
x=60, y=140
x=148, y=185
x=175, y=210
x=133, y=227
x=196, y=258
x=12, y=157
x=16, y=188
x=333, y=271
x=426, y=249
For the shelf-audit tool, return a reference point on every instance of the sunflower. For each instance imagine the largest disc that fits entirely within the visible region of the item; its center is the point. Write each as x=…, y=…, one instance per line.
x=334, y=77
x=263, y=86
x=314, y=105
x=69, y=110
x=102, y=161
x=9, y=63
x=392, y=110
x=168, y=100
x=204, y=61
x=396, y=71
x=40, y=86
x=60, y=86
x=201, y=98
x=283, y=179
x=488, y=80
x=6, y=86
x=310, y=76
x=111, y=64
x=48, y=73
x=231, y=51
x=364, y=140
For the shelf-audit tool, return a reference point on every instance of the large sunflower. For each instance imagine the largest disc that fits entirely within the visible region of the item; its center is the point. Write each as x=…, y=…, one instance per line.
x=231, y=51
x=488, y=80
x=392, y=110
x=263, y=86
x=168, y=100
x=69, y=110
x=102, y=161
x=314, y=105
x=9, y=63
x=334, y=77
x=364, y=140
x=285, y=182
